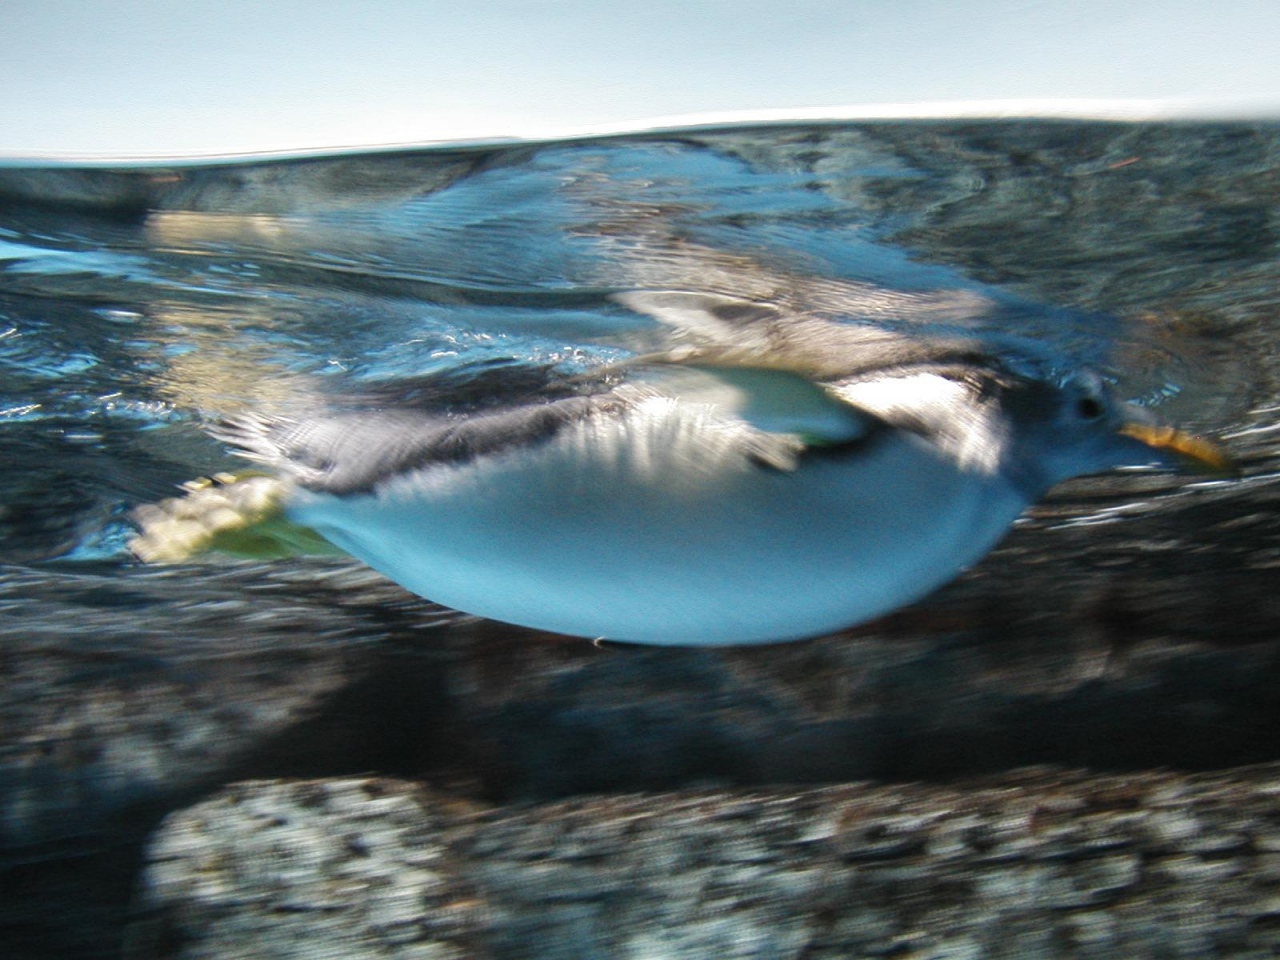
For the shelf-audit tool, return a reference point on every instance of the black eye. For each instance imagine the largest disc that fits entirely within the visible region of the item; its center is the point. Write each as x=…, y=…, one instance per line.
x=1089, y=408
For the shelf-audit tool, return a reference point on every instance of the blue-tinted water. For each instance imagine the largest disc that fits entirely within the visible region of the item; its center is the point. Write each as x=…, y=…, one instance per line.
x=137, y=304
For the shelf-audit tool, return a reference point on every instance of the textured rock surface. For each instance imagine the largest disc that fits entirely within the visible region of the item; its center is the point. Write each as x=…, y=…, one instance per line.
x=1042, y=864
x=105, y=708
x=123, y=696
x=1143, y=644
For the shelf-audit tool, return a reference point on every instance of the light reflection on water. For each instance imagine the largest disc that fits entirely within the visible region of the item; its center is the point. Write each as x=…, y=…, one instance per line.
x=1128, y=622
x=135, y=304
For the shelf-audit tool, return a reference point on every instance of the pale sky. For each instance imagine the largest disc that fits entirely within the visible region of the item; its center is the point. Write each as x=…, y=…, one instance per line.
x=143, y=77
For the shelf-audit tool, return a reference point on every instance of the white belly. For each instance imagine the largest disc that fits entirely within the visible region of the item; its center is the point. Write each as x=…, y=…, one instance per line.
x=652, y=543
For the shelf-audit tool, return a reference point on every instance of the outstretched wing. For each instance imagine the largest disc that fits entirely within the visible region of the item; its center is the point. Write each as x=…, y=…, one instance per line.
x=767, y=416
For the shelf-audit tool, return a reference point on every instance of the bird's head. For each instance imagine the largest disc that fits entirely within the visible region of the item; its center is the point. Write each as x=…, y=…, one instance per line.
x=1080, y=426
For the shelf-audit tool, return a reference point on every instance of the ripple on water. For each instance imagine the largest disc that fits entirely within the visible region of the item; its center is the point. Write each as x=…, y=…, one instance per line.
x=135, y=301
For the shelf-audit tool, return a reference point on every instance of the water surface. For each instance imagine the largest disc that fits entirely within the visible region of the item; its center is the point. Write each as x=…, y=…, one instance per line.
x=138, y=303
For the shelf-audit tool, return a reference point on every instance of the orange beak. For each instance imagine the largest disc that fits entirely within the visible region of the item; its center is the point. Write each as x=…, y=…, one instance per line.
x=1194, y=452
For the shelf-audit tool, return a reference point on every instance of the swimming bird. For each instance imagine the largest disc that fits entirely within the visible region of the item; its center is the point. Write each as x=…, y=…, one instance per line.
x=782, y=480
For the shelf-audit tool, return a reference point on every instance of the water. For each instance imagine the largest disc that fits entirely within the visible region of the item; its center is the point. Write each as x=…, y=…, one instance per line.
x=139, y=304
x=136, y=304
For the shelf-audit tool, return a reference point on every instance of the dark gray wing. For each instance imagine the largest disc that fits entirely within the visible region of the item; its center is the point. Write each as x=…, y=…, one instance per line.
x=353, y=452
x=767, y=415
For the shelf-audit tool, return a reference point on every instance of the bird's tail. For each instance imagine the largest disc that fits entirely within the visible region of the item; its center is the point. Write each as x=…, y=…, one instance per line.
x=236, y=513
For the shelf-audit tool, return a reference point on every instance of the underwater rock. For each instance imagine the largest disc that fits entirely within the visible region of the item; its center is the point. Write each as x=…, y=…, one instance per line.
x=1125, y=647
x=1038, y=864
x=119, y=692
x=123, y=696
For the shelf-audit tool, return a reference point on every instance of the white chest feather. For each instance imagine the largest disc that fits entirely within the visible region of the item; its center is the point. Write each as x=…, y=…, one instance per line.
x=671, y=535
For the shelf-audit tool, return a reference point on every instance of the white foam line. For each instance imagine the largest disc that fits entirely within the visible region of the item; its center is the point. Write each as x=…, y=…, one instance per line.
x=467, y=135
